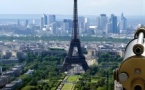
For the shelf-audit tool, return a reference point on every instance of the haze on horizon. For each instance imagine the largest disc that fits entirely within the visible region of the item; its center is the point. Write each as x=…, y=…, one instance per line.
x=64, y=7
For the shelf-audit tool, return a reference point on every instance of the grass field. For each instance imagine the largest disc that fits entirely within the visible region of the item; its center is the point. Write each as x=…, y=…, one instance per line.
x=46, y=81
x=68, y=86
x=94, y=80
x=73, y=78
x=101, y=88
x=29, y=88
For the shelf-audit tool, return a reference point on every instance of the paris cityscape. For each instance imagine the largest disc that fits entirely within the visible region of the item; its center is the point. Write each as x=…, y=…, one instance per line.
x=63, y=52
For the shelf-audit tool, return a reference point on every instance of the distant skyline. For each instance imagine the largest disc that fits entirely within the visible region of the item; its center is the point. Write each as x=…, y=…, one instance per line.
x=65, y=7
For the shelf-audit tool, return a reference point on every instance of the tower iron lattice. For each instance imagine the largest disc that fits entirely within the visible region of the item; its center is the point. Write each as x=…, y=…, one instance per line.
x=75, y=43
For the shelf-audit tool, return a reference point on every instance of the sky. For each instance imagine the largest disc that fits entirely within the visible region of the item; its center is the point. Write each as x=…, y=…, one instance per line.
x=65, y=7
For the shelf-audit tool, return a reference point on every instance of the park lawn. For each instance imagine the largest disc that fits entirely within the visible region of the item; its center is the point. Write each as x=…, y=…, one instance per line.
x=29, y=88
x=54, y=88
x=68, y=86
x=94, y=80
x=73, y=78
x=101, y=88
x=46, y=80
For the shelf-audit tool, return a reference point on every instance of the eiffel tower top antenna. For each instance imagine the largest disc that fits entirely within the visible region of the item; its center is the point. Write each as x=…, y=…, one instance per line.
x=75, y=21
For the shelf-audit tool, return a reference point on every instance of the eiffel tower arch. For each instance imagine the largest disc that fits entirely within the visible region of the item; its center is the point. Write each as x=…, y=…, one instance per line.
x=75, y=44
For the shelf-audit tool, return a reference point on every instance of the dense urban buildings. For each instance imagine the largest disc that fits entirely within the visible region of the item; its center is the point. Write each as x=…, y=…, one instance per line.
x=23, y=36
x=50, y=34
x=48, y=25
x=44, y=47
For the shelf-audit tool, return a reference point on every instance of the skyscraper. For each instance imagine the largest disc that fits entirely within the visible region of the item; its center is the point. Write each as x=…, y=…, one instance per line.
x=26, y=23
x=98, y=22
x=18, y=22
x=42, y=24
x=52, y=19
x=113, y=23
x=67, y=26
x=43, y=21
x=81, y=24
x=87, y=24
x=108, y=28
x=54, y=28
x=123, y=23
x=103, y=21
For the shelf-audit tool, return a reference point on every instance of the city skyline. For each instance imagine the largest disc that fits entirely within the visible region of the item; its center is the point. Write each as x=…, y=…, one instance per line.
x=85, y=7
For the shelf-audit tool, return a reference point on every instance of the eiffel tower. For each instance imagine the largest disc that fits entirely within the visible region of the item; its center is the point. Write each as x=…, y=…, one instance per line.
x=75, y=43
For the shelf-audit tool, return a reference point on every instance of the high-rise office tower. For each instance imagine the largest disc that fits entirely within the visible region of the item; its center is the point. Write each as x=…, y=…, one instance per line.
x=34, y=21
x=43, y=21
x=54, y=28
x=42, y=24
x=123, y=23
x=113, y=23
x=51, y=19
x=67, y=26
x=81, y=24
x=18, y=22
x=108, y=28
x=87, y=24
x=26, y=23
x=98, y=22
x=103, y=21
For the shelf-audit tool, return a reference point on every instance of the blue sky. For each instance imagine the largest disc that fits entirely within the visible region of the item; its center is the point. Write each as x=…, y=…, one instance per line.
x=86, y=7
